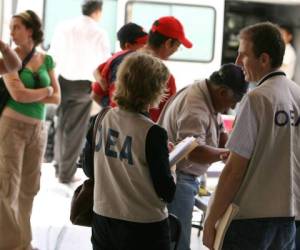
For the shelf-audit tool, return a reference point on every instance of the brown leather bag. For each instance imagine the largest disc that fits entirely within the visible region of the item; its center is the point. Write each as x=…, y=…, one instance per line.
x=81, y=213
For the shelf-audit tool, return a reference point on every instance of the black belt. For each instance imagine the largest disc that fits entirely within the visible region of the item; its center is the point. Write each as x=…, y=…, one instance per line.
x=270, y=219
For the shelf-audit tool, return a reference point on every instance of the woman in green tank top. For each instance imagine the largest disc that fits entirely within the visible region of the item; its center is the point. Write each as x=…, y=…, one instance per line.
x=22, y=131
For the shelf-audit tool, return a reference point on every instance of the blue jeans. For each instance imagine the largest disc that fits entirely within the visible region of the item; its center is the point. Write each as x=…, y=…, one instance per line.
x=261, y=234
x=182, y=206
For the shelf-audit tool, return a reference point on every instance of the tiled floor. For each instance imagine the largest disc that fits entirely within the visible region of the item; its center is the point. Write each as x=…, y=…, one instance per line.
x=52, y=229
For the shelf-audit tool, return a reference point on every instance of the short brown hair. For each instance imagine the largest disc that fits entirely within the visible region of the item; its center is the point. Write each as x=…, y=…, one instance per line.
x=91, y=6
x=141, y=81
x=266, y=38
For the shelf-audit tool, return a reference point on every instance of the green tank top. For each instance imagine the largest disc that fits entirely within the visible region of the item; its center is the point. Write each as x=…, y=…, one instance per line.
x=34, y=80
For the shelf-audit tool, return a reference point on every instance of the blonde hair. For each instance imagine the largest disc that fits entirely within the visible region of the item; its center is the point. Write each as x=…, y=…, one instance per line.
x=141, y=81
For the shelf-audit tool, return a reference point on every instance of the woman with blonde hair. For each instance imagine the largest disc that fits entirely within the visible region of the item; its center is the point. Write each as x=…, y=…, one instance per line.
x=23, y=132
x=133, y=181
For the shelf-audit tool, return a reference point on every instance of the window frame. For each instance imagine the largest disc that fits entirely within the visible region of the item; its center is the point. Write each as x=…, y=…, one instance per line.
x=126, y=20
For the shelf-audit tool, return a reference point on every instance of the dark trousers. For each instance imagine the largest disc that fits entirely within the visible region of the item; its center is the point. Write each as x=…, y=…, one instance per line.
x=297, y=235
x=73, y=116
x=261, y=234
x=113, y=234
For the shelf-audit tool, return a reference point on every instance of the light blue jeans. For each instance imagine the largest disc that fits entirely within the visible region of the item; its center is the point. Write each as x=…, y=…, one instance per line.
x=182, y=206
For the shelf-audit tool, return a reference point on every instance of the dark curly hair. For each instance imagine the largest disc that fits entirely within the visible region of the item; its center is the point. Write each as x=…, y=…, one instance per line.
x=31, y=21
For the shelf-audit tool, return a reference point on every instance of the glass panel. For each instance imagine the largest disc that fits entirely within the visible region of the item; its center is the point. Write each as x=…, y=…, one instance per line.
x=57, y=11
x=1, y=17
x=109, y=21
x=69, y=9
x=198, y=21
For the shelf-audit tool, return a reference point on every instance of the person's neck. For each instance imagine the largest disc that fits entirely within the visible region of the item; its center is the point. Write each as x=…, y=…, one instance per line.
x=267, y=72
x=95, y=16
x=213, y=97
x=150, y=50
x=25, y=49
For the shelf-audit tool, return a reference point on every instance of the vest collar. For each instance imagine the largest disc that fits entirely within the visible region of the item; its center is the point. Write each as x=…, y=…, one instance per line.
x=270, y=75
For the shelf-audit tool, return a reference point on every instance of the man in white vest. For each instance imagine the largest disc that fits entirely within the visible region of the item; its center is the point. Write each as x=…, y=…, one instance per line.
x=262, y=172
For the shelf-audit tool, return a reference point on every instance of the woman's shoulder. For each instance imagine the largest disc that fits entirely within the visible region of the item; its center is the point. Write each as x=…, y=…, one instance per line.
x=47, y=60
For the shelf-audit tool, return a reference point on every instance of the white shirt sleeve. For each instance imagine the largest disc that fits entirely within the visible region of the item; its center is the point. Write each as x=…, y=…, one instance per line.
x=104, y=46
x=243, y=137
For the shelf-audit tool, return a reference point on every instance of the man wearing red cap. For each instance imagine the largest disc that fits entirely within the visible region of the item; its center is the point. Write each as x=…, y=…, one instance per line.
x=164, y=38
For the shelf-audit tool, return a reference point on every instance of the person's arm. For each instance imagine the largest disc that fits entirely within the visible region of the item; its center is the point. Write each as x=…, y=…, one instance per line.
x=205, y=154
x=157, y=156
x=98, y=93
x=101, y=74
x=223, y=139
x=228, y=185
x=88, y=153
x=104, y=45
x=22, y=94
x=56, y=96
x=10, y=61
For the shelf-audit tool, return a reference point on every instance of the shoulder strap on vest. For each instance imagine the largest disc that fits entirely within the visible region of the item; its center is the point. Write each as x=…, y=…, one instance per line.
x=98, y=120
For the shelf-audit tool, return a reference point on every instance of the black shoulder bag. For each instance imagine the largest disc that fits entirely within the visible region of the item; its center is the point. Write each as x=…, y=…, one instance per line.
x=4, y=94
x=81, y=213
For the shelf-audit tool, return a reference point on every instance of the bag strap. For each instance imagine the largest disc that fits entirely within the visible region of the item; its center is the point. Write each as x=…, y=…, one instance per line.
x=98, y=120
x=27, y=59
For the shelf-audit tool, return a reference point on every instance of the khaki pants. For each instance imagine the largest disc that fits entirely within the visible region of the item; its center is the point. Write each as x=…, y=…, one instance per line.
x=22, y=148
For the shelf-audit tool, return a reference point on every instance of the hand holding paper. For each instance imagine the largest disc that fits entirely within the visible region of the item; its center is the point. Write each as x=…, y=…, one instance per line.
x=182, y=149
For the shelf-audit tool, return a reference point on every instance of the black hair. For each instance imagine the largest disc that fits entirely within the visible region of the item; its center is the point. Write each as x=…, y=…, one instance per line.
x=129, y=33
x=90, y=6
x=230, y=76
x=287, y=27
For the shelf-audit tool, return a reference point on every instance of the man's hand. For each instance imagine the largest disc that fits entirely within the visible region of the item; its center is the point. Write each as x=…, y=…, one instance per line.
x=170, y=146
x=3, y=46
x=224, y=156
x=209, y=234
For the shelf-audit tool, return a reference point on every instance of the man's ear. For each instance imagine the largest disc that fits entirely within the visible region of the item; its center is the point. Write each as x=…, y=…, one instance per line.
x=223, y=92
x=265, y=60
x=126, y=46
x=168, y=43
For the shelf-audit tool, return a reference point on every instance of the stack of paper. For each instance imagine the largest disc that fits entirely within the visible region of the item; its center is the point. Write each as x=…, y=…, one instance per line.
x=223, y=225
x=182, y=149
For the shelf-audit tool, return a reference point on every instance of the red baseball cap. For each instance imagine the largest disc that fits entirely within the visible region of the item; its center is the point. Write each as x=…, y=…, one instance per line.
x=171, y=27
